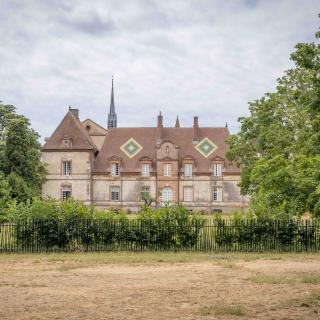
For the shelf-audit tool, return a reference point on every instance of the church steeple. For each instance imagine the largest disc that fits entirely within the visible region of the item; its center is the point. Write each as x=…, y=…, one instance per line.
x=112, y=116
x=177, y=125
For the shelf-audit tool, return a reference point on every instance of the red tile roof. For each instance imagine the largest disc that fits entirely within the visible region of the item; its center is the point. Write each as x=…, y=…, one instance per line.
x=146, y=137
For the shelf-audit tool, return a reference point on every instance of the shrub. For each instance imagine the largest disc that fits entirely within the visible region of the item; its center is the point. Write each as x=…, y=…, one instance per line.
x=70, y=225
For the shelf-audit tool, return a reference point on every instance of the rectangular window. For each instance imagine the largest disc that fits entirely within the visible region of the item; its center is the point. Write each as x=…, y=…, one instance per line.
x=188, y=170
x=217, y=169
x=66, y=192
x=66, y=168
x=115, y=169
x=167, y=169
x=217, y=194
x=145, y=192
x=188, y=194
x=145, y=170
x=115, y=193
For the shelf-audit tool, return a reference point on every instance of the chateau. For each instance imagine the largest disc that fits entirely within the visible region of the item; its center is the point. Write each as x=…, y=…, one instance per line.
x=120, y=167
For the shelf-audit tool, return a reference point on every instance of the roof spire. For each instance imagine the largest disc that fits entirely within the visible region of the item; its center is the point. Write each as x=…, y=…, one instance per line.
x=112, y=116
x=177, y=125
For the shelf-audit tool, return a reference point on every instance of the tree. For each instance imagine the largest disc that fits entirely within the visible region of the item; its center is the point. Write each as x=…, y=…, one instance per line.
x=20, y=155
x=278, y=145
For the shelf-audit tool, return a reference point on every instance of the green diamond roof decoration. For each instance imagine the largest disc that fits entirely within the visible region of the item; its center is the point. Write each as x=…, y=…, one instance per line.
x=131, y=148
x=206, y=147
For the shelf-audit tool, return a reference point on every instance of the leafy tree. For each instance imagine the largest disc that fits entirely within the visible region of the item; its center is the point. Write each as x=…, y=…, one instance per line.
x=279, y=143
x=4, y=192
x=20, y=156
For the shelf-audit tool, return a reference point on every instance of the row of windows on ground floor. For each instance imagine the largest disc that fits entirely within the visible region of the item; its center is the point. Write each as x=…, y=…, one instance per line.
x=167, y=194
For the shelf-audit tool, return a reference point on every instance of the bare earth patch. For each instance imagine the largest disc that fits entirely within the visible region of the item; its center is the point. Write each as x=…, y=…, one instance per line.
x=159, y=287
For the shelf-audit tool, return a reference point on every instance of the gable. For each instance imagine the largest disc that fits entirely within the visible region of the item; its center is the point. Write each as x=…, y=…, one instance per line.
x=70, y=129
x=93, y=128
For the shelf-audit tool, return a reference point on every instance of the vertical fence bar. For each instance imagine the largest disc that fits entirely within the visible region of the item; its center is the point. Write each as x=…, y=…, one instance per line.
x=91, y=234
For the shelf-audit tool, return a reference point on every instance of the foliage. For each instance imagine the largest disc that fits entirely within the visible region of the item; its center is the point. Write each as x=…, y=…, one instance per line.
x=278, y=145
x=71, y=224
x=20, y=157
x=254, y=233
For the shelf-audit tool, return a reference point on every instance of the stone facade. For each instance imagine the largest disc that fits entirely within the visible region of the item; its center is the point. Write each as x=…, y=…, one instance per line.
x=117, y=167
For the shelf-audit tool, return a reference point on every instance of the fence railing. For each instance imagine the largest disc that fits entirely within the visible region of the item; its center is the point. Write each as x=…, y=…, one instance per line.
x=50, y=235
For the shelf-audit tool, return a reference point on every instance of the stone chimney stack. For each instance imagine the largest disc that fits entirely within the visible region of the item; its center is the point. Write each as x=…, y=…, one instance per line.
x=159, y=128
x=74, y=111
x=196, y=129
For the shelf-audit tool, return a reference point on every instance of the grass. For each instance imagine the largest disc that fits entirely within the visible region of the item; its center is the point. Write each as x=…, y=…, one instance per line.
x=223, y=310
x=312, y=279
x=285, y=279
x=272, y=279
x=227, y=259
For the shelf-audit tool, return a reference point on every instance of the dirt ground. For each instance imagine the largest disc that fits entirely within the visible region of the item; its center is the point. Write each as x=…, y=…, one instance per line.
x=217, y=286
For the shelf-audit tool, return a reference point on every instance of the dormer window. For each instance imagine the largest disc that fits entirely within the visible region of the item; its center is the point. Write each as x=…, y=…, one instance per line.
x=67, y=142
x=217, y=169
x=145, y=169
x=188, y=166
x=115, y=169
x=188, y=169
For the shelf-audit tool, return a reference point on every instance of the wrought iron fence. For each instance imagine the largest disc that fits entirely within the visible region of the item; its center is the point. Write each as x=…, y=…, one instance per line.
x=51, y=235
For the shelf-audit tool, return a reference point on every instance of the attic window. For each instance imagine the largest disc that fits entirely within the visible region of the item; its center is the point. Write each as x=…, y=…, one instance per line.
x=67, y=142
x=88, y=127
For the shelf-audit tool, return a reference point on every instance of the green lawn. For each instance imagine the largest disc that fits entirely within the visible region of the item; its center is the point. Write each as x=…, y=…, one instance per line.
x=152, y=257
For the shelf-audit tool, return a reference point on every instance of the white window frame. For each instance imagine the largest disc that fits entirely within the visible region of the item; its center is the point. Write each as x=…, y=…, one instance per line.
x=167, y=194
x=145, y=169
x=217, y=169
x=217, y=194
x=167, y=169
x=66, y=192
x=188, y=169
x=187, y=193
x=115, y=169
x=144, y=191
x=67, y=168
x=115, y=190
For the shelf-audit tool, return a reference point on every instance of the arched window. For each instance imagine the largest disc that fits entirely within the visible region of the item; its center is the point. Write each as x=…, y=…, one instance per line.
x=167, y=149
x=167, y=195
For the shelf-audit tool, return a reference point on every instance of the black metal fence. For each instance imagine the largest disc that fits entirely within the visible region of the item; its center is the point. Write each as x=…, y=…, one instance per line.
x=50, y=235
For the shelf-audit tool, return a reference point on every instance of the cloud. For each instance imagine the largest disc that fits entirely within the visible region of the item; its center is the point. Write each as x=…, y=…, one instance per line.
x=186, y=57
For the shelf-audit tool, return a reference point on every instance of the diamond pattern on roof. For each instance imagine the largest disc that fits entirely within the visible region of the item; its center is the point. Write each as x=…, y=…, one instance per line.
x=131, y=148
x=206, y=147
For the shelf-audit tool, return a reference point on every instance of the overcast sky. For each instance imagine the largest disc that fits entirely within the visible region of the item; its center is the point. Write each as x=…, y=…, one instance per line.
x=188, y=57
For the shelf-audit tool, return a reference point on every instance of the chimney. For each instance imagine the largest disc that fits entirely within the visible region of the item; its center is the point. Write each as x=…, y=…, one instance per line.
x=74, y=111
x=159, y=128
x=195, y=129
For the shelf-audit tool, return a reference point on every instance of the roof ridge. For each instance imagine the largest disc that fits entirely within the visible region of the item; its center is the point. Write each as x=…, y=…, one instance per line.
x=84, y=132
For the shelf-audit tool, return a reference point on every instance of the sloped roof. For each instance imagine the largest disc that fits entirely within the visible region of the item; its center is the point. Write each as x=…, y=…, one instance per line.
x=146, y=137
x=70, y=128
x=95, y=128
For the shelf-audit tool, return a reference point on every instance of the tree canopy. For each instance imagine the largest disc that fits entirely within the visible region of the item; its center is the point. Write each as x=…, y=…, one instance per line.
x=278, y=145
x=21, y=170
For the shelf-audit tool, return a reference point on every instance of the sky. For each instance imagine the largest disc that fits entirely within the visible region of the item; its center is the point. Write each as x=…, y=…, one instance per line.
x=205, y=58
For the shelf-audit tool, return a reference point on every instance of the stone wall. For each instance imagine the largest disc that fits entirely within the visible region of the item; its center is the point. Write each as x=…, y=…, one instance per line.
x=79, y=180
x=130, y=185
